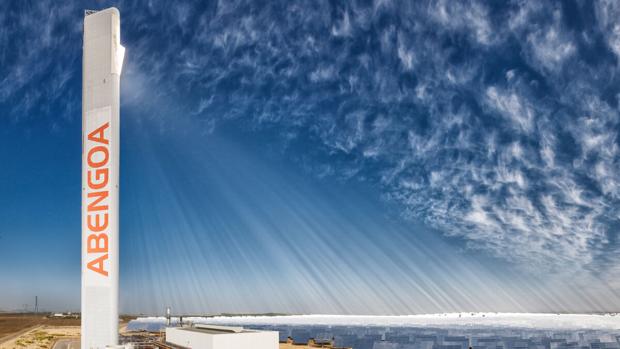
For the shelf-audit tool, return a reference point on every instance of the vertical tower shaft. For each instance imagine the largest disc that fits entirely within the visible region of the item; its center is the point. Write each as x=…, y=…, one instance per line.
x=101, y=69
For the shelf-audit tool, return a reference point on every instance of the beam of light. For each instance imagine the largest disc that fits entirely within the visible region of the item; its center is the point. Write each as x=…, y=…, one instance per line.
x=212, y=226
x=495, y=125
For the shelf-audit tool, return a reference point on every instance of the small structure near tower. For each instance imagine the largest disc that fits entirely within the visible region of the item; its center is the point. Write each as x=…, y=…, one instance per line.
x=202, y=336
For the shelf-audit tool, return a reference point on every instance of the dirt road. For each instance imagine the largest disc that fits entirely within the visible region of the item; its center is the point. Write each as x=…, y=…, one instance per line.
x=71, y=343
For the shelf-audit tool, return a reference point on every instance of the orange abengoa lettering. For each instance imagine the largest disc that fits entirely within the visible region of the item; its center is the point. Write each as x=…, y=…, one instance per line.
x=97, y=243
x=96, y=265
x=93, y=152
x=97, y=226
x=98, y=135
x=100, y=196
x=97, y=209
x=100, y=180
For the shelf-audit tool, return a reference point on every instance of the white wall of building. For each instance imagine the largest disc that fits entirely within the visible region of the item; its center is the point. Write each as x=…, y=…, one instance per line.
x=204, y=340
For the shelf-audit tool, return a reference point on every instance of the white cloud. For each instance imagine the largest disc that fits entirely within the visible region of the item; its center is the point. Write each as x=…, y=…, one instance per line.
x=325, y=73
x=550, y=45
x=487, y=151
x=343, y=28
x=512, y=107
x=472, y=17
x=28, y=71
x=607, y=12
x=474, y=147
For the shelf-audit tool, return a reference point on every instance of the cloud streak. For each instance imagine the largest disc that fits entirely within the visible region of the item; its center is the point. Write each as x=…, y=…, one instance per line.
x=485, y=131
x=495, y=125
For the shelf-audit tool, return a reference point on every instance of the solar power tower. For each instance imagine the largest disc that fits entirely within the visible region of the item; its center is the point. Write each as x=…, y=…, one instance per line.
x=102, y=62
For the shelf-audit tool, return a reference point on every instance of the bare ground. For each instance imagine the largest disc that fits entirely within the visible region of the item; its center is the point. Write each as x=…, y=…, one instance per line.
x=11, y=324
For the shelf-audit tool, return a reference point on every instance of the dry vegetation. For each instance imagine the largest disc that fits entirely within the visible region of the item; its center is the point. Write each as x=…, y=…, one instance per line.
x=40, y=338
x=24, y=331
x=14, y=323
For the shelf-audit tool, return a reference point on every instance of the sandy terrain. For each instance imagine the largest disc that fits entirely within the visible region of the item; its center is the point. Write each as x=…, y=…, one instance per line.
x=30, y=331
x=13, y=323
x=41, y=337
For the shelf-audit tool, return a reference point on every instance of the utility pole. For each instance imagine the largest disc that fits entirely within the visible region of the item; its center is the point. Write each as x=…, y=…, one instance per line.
x=36, y=304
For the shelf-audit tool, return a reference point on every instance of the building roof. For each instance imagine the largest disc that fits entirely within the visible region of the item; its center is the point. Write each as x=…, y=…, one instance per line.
x=214, y=330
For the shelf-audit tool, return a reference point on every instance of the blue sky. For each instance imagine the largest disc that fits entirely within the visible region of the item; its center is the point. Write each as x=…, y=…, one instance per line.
x=365, y=157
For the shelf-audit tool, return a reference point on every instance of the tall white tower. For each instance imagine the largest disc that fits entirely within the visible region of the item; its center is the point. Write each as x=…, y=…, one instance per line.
x=102, y=61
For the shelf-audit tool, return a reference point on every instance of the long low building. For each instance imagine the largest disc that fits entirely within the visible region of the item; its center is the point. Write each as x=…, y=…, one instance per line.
x=220, y=337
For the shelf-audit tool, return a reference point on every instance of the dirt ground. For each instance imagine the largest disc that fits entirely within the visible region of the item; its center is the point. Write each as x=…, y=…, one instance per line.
x=36, y=331
x=41, y=337
x=14, y=323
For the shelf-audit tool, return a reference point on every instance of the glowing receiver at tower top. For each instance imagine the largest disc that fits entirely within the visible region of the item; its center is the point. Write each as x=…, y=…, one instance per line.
x=102, y=61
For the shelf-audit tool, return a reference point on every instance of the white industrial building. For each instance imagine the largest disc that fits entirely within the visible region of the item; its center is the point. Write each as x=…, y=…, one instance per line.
x=221, y=337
